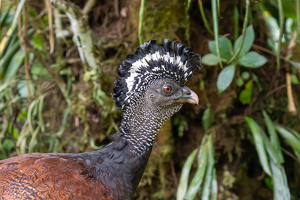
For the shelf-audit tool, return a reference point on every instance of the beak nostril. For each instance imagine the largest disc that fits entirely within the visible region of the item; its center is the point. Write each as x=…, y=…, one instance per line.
x=186, y=90
x=188, y=96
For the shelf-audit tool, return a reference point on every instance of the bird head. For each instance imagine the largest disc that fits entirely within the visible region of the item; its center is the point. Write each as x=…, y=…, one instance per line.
x=166, y=94
x=155, y=74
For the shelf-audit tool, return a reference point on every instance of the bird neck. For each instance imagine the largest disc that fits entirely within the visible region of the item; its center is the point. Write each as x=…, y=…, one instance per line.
x=125, y=159
x=141, y=123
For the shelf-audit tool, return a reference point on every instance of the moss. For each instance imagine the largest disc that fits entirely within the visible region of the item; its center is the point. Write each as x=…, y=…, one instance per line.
x=163, y=19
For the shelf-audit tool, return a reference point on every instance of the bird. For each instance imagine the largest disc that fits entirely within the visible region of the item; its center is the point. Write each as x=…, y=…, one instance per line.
x=149, y=90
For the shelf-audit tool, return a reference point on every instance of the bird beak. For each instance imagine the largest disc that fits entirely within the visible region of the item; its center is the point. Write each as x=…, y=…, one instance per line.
x=189, y=96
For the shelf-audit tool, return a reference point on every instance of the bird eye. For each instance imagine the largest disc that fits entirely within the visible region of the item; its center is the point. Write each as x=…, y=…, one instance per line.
x=167, y=88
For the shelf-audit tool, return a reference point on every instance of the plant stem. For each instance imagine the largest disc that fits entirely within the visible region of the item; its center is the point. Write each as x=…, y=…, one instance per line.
x=243, y=32
x=236, y=22
x=51, y=35
x=291, y=104
x=298, y=17
x=216, y=28
x=24, y=35
x=204, y=18
x=142, y=10
x=88, y=6
x=281, y=20
x=290, y=49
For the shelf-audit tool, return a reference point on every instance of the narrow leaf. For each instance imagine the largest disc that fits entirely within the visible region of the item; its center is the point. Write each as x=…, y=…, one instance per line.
x=14, y=64
x=296, y=64
x=280, y=188
x=30, y=113
x=291, y=139
x=199, y=175
x=209, y=171
x=183, y=182
x=255, y=78
x=40, y=114
x=207, y=118
x=273, y=135
x=270, y=149
x=294, y=79
x=259, y=145
x=214, y=185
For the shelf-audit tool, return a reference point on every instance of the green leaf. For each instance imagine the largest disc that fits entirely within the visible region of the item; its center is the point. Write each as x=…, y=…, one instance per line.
x=245, y=75
x=15, y=64
x=8, y=144
x=5, y=60
x=259, y=145
x=268, y=182
x=225, y=48
x=255, y=78
x=252, y=60
x=209, y=171
x=273, y=135
x=66, y=71
x=183, y=182
x=239, y=81
x=291, y=139
x=296, y=64
x=199, y=174
x=294, y=79
x=280, y=186
x=245, y=96
x=270, y=149
x=22, y=116
x=207, y=118
x=37, y=42
x=23, y=89
x=18, y=11
x=288, y=8
x=15, y=132
x=6, y=17
x=39, y=71
x=214, y=185
x=40, y=113
x=210, y=59
x=225, y=78
x=33, y=12
x=248, y=41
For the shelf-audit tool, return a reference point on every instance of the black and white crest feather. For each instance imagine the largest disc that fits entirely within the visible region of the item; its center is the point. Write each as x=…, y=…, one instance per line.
x=150, y=62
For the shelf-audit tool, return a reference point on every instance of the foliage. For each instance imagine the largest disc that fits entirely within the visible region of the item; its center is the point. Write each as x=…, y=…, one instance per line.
x=239, y=54
x=22, y=100
x=204, y=179
x=244, y=58
x=270, y=155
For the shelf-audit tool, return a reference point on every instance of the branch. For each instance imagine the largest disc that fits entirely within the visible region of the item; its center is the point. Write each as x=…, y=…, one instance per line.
x=291, y=47
x=81, y=30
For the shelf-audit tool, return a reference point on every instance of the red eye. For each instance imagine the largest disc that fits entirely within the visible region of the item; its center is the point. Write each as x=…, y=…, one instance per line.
x=167, y=88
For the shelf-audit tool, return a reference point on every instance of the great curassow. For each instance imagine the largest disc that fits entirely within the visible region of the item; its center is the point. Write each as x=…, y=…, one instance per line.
x=149, y=91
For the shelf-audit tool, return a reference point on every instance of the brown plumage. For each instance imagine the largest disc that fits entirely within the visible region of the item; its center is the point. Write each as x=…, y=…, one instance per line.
x=48, y=176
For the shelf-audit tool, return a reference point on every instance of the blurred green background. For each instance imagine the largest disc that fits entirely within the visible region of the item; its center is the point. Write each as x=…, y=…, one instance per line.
x=59, y=60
